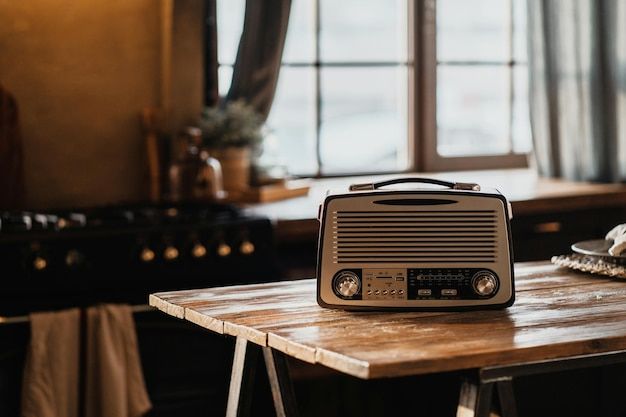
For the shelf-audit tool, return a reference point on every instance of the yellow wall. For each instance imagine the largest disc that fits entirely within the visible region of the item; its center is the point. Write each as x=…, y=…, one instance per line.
x=81, y=72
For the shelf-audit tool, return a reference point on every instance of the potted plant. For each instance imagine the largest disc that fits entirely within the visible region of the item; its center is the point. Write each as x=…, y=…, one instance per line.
x=231, y=134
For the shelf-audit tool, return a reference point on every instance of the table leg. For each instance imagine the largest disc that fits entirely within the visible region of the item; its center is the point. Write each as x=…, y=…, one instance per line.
x=476, y=399
x=242, y=379
x=506, y=396
x=280, y=382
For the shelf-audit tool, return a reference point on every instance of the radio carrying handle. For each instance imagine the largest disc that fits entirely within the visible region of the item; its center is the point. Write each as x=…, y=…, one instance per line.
x=469, y=186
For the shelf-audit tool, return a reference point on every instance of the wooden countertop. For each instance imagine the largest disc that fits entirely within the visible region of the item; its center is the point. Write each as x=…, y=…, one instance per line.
x=558, y=314
x=528, y=194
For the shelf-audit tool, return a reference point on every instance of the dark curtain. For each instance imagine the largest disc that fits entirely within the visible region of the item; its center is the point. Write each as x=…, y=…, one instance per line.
x=256, y=69
x=577, y=69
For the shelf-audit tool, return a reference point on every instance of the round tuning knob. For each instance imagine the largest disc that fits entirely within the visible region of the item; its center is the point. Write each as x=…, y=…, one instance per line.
x=170, y=253
x=246, y=247
x=223, y=250
x=198, y=250
x=485, y=283
x=147, y=255
x=346, y=284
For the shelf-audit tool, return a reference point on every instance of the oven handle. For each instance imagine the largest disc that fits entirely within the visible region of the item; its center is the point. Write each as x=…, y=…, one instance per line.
x=140, y=308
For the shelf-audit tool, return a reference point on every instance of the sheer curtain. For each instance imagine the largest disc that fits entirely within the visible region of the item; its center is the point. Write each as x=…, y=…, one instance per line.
x=577, y=69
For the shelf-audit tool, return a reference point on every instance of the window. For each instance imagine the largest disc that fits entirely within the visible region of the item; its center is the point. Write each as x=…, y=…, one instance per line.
x=348, y=84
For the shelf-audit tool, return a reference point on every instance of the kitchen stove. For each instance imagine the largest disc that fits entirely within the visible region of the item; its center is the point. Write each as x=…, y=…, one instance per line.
x=68, y=258
x=65, y=258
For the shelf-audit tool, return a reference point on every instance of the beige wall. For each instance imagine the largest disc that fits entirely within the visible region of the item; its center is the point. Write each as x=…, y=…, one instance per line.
x=81, y=72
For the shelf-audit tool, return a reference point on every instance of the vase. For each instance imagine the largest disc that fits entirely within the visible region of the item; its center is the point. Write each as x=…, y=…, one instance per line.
x=235, y=162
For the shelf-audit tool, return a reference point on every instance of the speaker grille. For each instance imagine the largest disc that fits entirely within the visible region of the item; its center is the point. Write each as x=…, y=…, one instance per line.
x=440, y=236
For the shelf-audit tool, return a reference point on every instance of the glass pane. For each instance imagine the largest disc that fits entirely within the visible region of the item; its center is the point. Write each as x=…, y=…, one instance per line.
x=300, y=42
x=473, y=110
x=363, y=30
x=224, y=79
x=522, y=136
x=292, y=122
x=519, y=30
x=229, y=26
x=476, y=30
x=364, y=119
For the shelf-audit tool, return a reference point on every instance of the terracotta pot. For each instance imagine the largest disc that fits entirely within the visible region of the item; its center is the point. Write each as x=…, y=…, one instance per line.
x=235, y=164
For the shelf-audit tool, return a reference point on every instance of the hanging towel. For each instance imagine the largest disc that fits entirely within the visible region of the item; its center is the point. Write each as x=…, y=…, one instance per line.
x=50, y=385
x=115, y=384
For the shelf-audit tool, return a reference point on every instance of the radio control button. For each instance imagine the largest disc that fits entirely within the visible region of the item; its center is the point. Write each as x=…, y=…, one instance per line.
x=377, y=292
x=424, y=292
x=400, y=292
x=449, y=292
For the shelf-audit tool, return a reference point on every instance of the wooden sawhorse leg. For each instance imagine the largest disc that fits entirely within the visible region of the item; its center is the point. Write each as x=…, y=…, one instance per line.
x=476, y=396
x=242, y=380
x=476, y=399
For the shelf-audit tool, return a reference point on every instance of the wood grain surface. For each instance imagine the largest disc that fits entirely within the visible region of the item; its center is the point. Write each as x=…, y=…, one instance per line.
x=558, y=313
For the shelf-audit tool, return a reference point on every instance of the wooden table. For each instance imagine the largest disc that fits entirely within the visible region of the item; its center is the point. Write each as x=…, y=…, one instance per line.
x=560, y=320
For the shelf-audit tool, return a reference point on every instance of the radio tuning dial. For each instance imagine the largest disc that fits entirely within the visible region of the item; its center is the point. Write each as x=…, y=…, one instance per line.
x=347, y=284
x=485, y=283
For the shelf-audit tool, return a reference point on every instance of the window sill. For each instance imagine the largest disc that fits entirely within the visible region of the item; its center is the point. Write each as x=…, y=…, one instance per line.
x=529, y=194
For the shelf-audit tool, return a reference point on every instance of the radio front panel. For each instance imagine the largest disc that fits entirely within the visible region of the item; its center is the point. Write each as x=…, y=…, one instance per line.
x=443, y=249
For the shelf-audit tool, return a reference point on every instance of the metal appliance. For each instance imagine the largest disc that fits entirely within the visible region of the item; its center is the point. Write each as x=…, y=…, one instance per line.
x=75, y=258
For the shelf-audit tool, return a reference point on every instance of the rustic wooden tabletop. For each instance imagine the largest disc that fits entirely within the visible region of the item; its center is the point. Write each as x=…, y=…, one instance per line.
x=557, y=314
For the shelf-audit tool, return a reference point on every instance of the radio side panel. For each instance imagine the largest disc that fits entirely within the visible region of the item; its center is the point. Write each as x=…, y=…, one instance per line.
x=415, y=250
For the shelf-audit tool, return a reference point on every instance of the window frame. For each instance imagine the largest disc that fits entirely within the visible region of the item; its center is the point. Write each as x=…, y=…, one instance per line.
x=422, y=104
x=421, y=67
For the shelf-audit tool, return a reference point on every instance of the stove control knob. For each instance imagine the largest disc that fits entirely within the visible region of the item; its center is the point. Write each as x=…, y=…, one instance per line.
x=198, y=250
x=484, y=283
x=170, y=253
x=147, y=255
x=73, y=258
x=40, y=263
x=346, y=284
x=223, y=250
x=246, y=247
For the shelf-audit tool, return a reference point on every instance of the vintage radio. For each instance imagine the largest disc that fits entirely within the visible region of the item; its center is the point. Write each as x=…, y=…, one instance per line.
x=424, y=248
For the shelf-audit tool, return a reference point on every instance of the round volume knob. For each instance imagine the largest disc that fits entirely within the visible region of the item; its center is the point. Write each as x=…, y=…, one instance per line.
x=485, y=283
x=347, y=284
